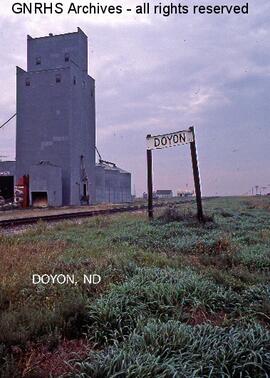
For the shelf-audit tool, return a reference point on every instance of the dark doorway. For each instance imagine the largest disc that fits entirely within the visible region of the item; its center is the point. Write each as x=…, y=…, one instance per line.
x=39, y=199
x=84, y=190
x=7, y=187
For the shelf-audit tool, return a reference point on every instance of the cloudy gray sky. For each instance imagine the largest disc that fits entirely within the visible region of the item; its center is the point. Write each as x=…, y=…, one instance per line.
x=156, y=75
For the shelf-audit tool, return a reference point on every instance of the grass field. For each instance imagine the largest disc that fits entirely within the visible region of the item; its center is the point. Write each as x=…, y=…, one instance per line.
x=177, y=298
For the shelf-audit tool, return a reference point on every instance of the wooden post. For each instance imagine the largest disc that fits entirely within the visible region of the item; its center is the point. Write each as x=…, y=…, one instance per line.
x=196, y=176
x=149, y=182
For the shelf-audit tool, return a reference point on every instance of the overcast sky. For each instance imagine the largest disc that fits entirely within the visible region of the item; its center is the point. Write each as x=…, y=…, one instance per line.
x=156, y=75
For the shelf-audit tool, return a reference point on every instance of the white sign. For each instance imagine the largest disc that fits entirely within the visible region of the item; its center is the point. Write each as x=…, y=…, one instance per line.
x=169, y=140
x=5, y=173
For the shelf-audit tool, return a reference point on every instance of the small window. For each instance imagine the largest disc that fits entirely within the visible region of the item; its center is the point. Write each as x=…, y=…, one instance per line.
x=58, y=78
x=27, y=82
x=92, y=93
x=83, y=84
x=74, y=80
x=66, y=57
x=38, y=60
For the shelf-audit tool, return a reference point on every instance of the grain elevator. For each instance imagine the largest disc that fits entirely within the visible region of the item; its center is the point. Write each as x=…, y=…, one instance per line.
x=56, y=127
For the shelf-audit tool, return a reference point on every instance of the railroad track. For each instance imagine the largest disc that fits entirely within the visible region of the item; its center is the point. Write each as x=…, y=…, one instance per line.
x=81, y=214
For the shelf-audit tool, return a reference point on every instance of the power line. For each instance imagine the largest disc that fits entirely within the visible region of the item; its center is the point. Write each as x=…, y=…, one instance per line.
x=100, y=158
x=14, y=115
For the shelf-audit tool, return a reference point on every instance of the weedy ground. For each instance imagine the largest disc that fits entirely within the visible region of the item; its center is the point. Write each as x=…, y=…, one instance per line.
x=177, y=298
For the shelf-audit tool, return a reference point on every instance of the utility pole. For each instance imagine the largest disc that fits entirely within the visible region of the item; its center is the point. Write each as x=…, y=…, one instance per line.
x=196, y=176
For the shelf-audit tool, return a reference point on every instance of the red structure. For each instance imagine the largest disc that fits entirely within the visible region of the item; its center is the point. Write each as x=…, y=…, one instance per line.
x=22, y=191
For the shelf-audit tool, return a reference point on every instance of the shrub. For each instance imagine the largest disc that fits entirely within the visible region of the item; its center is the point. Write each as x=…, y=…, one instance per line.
x=172, y=214
x=174, y=349
x=257, y=256
x=157, y=293
x=18, y=326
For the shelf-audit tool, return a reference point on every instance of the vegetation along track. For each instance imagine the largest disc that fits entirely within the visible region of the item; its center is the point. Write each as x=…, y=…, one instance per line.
x=8, y=223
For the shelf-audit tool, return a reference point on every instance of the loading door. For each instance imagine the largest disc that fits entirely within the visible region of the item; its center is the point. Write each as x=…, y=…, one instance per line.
x=39, y=199
x=7, y=188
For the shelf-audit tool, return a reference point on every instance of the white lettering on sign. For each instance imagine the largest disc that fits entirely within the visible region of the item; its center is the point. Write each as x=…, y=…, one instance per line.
x=169, y=140
x=5, y=173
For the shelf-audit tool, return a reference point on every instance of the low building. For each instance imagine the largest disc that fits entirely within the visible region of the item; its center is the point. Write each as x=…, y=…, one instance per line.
x=46, y=185
x=113, y=184
x=164, y=193
x=44, y=188
x=185, y=193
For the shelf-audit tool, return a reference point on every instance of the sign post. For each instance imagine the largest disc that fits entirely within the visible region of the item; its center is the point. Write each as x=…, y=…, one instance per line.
x=171, y=140
x=196, y=176
x=149, y=181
